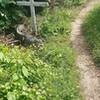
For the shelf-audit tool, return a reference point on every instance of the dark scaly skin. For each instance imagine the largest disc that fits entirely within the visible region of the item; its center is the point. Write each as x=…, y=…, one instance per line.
x=27, y=37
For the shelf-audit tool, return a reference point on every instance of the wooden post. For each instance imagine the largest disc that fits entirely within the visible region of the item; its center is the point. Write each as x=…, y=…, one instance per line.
x=52, y=8
x=32, y=6
x=33, y=16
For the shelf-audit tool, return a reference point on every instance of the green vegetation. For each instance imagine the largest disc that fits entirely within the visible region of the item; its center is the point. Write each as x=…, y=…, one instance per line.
x=91, y=29
x=56, y=24
x=48, y=73
x=70, y=3
x=9, y=15
x=45, y=74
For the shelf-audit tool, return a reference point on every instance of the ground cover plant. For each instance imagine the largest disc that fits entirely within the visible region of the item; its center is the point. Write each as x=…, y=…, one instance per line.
x=47, y=73
x=91, y=30
x=50, y=75
x=40, y=74
x=53, y=25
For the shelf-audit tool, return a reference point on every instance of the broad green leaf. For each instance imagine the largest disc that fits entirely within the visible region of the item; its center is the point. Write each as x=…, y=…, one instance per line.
x=15, y=77
x=1, y=56
x=11, y=96
x=25, y=71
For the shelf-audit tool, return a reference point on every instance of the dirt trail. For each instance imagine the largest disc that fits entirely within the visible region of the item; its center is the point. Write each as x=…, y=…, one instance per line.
x=89, y=80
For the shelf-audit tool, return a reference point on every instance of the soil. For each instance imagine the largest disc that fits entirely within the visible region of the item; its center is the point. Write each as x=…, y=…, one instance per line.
x=7, y=39
x=90, y=74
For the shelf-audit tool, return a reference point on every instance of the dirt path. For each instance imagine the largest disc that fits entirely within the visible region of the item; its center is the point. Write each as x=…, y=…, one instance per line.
x=89, y=80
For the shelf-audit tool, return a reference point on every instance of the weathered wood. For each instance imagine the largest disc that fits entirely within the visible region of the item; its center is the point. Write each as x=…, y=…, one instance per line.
x=36, y=4
x=23, y=3
x=32, y=6
x=33, y=16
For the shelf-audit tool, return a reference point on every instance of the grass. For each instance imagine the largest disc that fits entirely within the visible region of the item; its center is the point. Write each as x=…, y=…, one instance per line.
x=45, y=74
x=60, y=55
x=91, y=30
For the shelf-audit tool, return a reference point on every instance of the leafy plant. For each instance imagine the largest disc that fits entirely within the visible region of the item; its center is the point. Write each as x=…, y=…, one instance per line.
x=60, y=56
x=26, y=75
x=56, y=24
x=46, y=74
x=9, y=14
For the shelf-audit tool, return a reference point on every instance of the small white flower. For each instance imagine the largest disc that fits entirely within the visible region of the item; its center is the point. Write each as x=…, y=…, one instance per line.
x=2, y=14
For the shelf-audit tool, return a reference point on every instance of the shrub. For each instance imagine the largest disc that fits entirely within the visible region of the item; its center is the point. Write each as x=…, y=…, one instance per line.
x=9, y=14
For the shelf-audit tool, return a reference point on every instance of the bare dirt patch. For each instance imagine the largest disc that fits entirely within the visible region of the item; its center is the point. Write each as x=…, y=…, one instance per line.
x=89, y=72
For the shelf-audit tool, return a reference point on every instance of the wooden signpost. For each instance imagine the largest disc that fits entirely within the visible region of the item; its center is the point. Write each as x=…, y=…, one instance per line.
x=32, y=4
